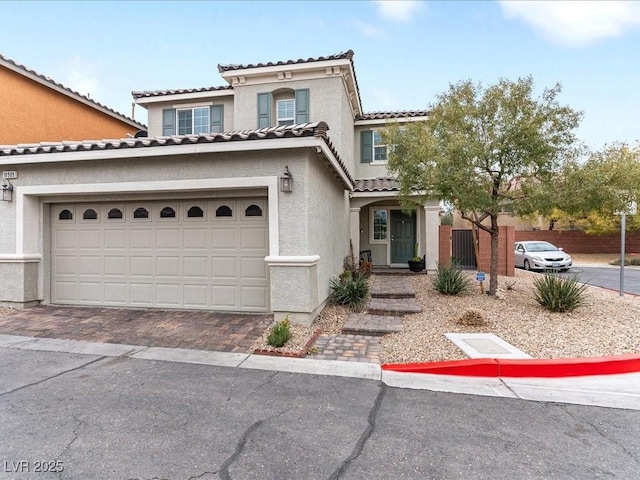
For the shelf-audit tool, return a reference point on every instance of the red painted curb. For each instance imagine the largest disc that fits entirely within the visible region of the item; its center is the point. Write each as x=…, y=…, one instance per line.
x=547, y=368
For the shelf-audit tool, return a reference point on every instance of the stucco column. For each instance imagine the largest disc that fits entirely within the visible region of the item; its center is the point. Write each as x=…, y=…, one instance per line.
x=354, y=231
x=431, y=235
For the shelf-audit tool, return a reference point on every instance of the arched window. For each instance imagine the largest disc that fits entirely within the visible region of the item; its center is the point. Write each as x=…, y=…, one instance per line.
x=224, y=211
x=65, y=215
x=167, y=212
x=115, y=213
x=141, y=213
x=195, y=212
x=90, y=214
x=253, y=211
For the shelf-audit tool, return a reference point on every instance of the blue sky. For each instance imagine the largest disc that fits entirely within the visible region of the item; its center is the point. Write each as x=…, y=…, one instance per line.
x=405, y=52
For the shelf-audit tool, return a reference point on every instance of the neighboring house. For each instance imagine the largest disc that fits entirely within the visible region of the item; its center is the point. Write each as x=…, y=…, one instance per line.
x=34, y=108
x=244, y=197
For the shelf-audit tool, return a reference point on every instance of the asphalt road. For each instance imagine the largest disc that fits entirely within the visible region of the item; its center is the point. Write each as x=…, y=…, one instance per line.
x=609, y=277
x=124, y=418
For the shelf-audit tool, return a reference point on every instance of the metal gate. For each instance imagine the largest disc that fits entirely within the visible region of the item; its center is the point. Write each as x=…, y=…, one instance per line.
x=462, y=249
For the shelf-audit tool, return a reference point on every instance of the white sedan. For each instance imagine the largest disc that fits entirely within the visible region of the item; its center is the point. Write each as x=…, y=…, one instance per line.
x=534, y=255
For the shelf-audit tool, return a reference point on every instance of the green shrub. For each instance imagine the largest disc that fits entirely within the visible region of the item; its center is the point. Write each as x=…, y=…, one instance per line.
x=634, y=260
x=559, y=293
x=450, y=279
x=280, y=333
x=351, y=291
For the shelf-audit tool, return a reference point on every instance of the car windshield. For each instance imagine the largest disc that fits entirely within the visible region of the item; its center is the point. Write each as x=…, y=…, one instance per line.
x=541, y=247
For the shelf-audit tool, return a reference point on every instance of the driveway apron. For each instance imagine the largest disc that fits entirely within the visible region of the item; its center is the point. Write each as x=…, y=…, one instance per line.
x=200, y=330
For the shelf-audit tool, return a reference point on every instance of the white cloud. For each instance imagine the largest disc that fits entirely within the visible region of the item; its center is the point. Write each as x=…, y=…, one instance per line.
x=82, y=76
x=398, y=10
x=576, y=22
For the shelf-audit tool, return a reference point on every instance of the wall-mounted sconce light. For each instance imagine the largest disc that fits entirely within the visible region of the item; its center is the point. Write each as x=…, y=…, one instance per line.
x=7, y=191
x=286, y=181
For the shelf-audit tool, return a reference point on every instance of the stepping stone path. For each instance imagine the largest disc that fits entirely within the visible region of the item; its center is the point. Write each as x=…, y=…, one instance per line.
x=392, y=296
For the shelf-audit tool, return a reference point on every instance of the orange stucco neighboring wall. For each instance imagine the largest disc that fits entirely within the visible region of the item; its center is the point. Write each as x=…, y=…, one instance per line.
x=31, y=113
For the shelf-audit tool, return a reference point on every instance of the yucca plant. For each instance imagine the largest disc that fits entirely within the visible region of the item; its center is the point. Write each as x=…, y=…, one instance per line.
x=559, y=294
x=351, y=291
x=450, y=279
x=280, y=333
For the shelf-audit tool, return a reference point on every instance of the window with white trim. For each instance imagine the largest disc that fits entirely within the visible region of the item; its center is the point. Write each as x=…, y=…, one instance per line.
x=379, y=148
x=379, y=225
x=286, y=110
x=193, y=120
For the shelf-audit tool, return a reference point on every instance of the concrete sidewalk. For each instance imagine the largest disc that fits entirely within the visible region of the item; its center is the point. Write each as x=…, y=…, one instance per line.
x=615, y=391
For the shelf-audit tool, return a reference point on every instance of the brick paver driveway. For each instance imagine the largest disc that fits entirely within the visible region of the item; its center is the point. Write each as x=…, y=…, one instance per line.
x=201, y=330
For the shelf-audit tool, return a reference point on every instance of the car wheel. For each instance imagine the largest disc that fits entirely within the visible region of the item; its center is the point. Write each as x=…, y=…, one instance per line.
x=527, y=266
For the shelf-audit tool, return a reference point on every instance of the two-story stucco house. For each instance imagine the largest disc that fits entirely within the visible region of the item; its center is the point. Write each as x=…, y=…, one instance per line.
x=244, y=197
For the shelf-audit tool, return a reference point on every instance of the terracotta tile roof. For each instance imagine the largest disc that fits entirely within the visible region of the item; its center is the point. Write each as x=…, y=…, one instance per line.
x=316, y=129
x=338, y=56
x=72, y=93
x=376, y=185
x=390, y=115
x=159, y=93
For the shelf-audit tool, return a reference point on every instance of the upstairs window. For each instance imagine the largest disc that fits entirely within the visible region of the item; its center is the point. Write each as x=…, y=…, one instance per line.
x=379, y=148
x=286, y=112
x=275, y=110
x=193, y=121
x=372, y=146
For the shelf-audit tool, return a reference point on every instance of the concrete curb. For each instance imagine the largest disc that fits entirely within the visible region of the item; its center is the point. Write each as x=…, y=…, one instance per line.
x=610, y=390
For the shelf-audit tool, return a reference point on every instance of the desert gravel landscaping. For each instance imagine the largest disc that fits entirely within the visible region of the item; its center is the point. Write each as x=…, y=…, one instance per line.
x=607, y=325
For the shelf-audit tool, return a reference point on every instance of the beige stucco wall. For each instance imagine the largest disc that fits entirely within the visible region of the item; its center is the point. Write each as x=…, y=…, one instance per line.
x=327, y=102
x=367, y=170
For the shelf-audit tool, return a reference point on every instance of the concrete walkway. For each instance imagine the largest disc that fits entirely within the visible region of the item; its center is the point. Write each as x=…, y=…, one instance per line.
x=616, y=391
x=391, y=298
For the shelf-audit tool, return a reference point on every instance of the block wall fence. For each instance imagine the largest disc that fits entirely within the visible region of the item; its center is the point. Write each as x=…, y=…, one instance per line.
x=571, y=241
x=505, y=249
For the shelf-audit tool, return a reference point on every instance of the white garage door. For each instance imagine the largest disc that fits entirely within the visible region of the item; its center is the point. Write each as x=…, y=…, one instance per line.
x=205, y=254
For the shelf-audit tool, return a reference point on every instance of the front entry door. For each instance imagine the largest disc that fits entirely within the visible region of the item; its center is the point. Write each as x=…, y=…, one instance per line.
x=402, y=236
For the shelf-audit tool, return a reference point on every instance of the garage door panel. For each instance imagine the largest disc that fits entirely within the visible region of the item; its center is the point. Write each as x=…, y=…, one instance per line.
x=141, y=239
x=195, y=238
x=65, y=291
x=203, y=262
x=253, y=238
x=115, y=239
x=115, y=266
x=65, y=240
x=142, y=266
x=168, y=239
x=224, y=239
x=224, y=267
x=224, y=296
x=90, y=292
x=90, y=240
x=253, y=268
x=65, y=265
x=115, y=293
x=168, y=267
x=90, y=265
x=141, y=294
x=254, y=297
x=196, y=296
x=195, y=267
x=168, y=294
